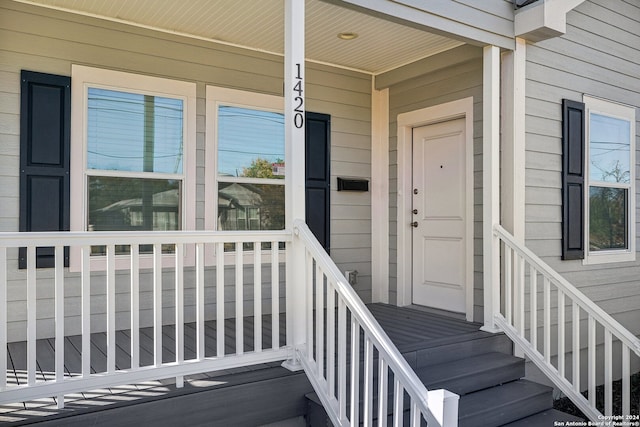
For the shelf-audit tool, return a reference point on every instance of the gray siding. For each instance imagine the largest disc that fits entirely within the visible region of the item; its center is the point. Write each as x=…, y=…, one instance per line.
x=598, y=56
x=450, y=83
x=50, y=41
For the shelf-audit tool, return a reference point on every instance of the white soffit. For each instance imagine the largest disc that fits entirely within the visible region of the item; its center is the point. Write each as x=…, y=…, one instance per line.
x=380, y=46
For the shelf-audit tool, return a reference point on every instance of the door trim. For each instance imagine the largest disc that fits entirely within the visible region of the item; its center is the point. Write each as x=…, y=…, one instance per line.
x=462, y=108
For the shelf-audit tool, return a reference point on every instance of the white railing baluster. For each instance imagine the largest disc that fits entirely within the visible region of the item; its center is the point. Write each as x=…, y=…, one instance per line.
x=383, y=389
x=3, y=317
x=508, y=284
x=111, y=309
x=179, y=310
x=320, y=321
x=626, y=381
x=200, y=317
x=398, y=403
x=520, y=291
x=591, y=360
x=533, y=306
x=368, y=382
x=86, y=311
x=547, y=320
x=275, y=296
x=309, y=272
x=342, y=359
x=157, y=304
x=355, y=372
x=608, y=374
x=257, y=297
x=135, y=306
x=59, y=320
x=561, y=334
x=575, y=340
x=414, y=415
x=239, y=315
x=220, y=299
x=31, y=315
x=331, y=338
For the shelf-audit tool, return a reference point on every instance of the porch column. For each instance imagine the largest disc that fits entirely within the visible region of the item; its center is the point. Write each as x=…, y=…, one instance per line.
x=513, y=140
x=491, y=184
x=379, y=194
x=294, y=128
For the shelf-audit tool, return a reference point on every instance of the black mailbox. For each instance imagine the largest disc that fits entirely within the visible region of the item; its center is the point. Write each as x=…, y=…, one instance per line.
x=353, y=184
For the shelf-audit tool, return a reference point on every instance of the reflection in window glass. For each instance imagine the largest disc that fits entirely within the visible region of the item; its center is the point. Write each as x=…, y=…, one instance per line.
x=133, y=204
x=243, y=206
x=609, y=140
x=607, y=218
x=134, y=132
x=250, y=143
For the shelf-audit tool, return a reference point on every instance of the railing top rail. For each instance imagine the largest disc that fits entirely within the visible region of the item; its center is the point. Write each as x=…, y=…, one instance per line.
x=79, y=238
x=381, y=340
x=570, y=290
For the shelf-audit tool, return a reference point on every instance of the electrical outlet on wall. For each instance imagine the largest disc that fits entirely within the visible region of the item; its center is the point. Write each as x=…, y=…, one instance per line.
x=352, y=276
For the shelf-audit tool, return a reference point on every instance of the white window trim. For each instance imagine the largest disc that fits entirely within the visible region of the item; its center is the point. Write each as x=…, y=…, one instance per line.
x=624, y=112
x=215, y=97
x=83, y=77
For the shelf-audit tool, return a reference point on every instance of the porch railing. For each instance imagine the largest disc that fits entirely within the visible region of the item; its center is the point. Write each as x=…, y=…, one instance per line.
x=352, y=390
x=556, y=307
x=132, y=270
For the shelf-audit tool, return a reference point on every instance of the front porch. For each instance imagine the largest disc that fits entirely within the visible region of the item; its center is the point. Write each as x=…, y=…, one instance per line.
x=425, y=339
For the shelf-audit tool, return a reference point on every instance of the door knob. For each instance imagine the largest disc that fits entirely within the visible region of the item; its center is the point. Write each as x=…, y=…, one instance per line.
x=414, y=224
x=415, y=191
x=415, y=211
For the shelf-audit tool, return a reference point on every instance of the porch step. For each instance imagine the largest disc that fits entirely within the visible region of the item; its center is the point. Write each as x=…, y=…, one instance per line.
x=247, y=397
x=503, y=404
x=468, y=375
x=545, y=419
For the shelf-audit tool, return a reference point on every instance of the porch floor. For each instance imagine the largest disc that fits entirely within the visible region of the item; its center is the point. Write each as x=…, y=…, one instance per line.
x=409, y=328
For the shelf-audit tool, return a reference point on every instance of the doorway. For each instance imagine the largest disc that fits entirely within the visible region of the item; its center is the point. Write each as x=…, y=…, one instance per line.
x=443, y=261
x=439, y=216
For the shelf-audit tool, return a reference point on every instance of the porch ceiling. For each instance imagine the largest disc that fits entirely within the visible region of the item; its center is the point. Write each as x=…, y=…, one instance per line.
x=381, y=45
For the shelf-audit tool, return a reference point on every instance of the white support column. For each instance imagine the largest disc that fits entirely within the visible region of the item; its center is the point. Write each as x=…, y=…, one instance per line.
x=491, y=184
x=379, y=194
x=294, y=131
x=513, y=140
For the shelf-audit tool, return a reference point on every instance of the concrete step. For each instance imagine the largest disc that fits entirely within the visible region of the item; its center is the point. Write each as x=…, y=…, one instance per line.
x=468, y=375
x=503, y=404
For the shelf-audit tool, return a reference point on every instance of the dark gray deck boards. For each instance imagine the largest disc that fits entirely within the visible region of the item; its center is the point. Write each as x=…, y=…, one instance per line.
x=408, y=328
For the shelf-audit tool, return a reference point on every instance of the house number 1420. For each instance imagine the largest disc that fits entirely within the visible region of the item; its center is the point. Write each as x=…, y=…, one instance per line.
x=298, y=101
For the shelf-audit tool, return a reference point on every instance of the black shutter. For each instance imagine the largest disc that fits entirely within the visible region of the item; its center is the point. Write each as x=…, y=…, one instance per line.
x=318, y=176
x=45, y=121
x=573, y=148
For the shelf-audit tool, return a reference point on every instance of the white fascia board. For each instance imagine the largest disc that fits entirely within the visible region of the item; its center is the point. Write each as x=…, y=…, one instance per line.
x=543, y=19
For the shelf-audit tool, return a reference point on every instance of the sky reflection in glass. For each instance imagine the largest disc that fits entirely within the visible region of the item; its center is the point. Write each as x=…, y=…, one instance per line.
x=134, y=132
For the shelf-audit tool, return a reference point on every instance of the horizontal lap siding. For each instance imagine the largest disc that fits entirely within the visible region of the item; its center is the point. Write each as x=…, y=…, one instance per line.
x=449, y=84
x=50, y=41
x=598, y=56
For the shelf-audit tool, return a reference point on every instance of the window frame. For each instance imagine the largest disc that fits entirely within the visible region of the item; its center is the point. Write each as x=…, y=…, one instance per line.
x=216, y=96
x=627, y=113
x=83, y=77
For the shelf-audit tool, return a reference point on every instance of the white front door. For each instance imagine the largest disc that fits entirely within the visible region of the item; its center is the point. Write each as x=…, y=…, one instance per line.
x=439, y=216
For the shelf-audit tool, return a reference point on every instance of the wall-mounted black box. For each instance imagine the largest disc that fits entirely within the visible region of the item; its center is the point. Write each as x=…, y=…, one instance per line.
x=351, y=184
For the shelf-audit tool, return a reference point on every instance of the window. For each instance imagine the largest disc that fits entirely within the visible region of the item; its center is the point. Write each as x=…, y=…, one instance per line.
x=610, y=189
x=136, y=139
x=246, y=163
